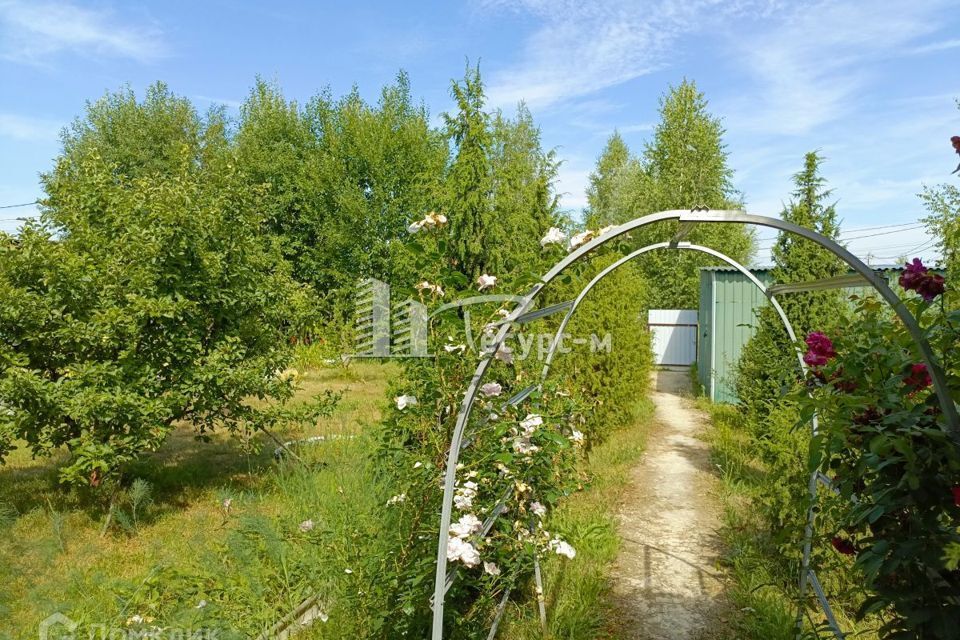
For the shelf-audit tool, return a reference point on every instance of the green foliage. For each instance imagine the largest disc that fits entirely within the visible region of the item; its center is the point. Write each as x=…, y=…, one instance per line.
x=612, y=377
x=342, y=179
x=524, y=203
x=684, y=166
x=470, y=181
x=768, y=363
x=943, y=204
x=605, y=181
x=886, y=445
x=142, y=299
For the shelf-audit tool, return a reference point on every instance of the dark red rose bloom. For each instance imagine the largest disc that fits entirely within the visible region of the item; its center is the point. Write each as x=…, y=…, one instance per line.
x=913, y=272
x=819, y=349
x=917, y=277
x=869, y=416
x=956, y=495
x=843, y=546
x=931, y=286
x=842, y=384
x=918, y=378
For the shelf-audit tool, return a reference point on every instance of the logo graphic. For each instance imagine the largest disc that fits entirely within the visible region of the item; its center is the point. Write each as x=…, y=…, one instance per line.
x=373, y=318
x=57, y=627
x=400, y=330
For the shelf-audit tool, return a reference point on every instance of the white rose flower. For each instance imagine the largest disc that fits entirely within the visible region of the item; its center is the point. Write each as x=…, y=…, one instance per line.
x=491, y=569
x=562, y=548
x=523, y=446
x=432, y=288
x=554, y=236
x=460, y=549
x=468, y=525
x=491, y=389
x=504, y=354
x=580, y=239
x=576, y=437
x=530, y=423
x=486, y=281
x=405, y=401
x=435, y=219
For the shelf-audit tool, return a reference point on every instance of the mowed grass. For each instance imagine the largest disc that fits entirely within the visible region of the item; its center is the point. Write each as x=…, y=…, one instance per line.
x=189, y=562
x=577, y=592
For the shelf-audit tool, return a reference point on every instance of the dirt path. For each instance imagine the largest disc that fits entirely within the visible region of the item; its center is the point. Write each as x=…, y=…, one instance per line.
x=667, y=586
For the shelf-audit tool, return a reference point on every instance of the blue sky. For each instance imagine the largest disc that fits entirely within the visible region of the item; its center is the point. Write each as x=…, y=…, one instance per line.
x=871, y=84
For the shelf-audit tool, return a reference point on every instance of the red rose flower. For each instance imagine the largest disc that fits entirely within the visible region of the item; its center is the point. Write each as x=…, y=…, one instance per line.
x=917, y=277
x=843, y=546
x=918, y=378
x=819, y=349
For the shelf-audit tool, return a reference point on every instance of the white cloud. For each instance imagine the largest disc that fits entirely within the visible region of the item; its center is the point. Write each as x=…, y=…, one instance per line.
x=28, y=128
x=573, y=177
x=580, y=48
x=811, y=64
x=32, y=32
x=937, y=46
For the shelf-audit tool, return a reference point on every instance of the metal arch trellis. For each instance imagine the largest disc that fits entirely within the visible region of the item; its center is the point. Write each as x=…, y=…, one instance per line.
x=806, y=572
x=687, y=220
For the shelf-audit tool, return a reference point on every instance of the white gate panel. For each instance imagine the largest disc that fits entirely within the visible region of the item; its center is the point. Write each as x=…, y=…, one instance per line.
x=674, y=336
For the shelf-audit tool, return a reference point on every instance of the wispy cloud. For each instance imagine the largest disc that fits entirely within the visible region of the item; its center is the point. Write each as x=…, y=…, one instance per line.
x=811, y=64
x=580, y=48
x=943, y=45
x=27, y=128
x=33, y=32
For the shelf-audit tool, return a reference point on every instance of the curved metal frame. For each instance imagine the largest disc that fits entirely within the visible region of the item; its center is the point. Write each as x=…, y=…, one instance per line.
x=787, y=325
x=684, y=217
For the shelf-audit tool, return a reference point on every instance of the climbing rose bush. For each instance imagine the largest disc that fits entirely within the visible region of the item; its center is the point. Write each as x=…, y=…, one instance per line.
x=518, y=461
x=886, y=445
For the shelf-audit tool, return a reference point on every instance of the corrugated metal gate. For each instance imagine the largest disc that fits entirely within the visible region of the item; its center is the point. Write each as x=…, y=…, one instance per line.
x=674, y=336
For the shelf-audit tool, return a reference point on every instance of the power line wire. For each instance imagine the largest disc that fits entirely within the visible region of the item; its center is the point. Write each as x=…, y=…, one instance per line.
x=24, y=204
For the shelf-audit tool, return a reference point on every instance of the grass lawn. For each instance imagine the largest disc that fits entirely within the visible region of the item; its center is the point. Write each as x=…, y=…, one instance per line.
x=185, y=560
x=763, y=580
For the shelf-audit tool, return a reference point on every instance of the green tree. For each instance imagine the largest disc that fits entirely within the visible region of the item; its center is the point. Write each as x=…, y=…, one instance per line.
x=768, y=361
x=614, y=160
x=146, y=295
x=524, y=203
x=344, y=179
x=470, y=179
x=684, y=166
x=943, y=222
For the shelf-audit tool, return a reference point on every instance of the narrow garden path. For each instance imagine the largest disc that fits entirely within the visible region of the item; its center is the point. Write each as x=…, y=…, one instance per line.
x=667, y=585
